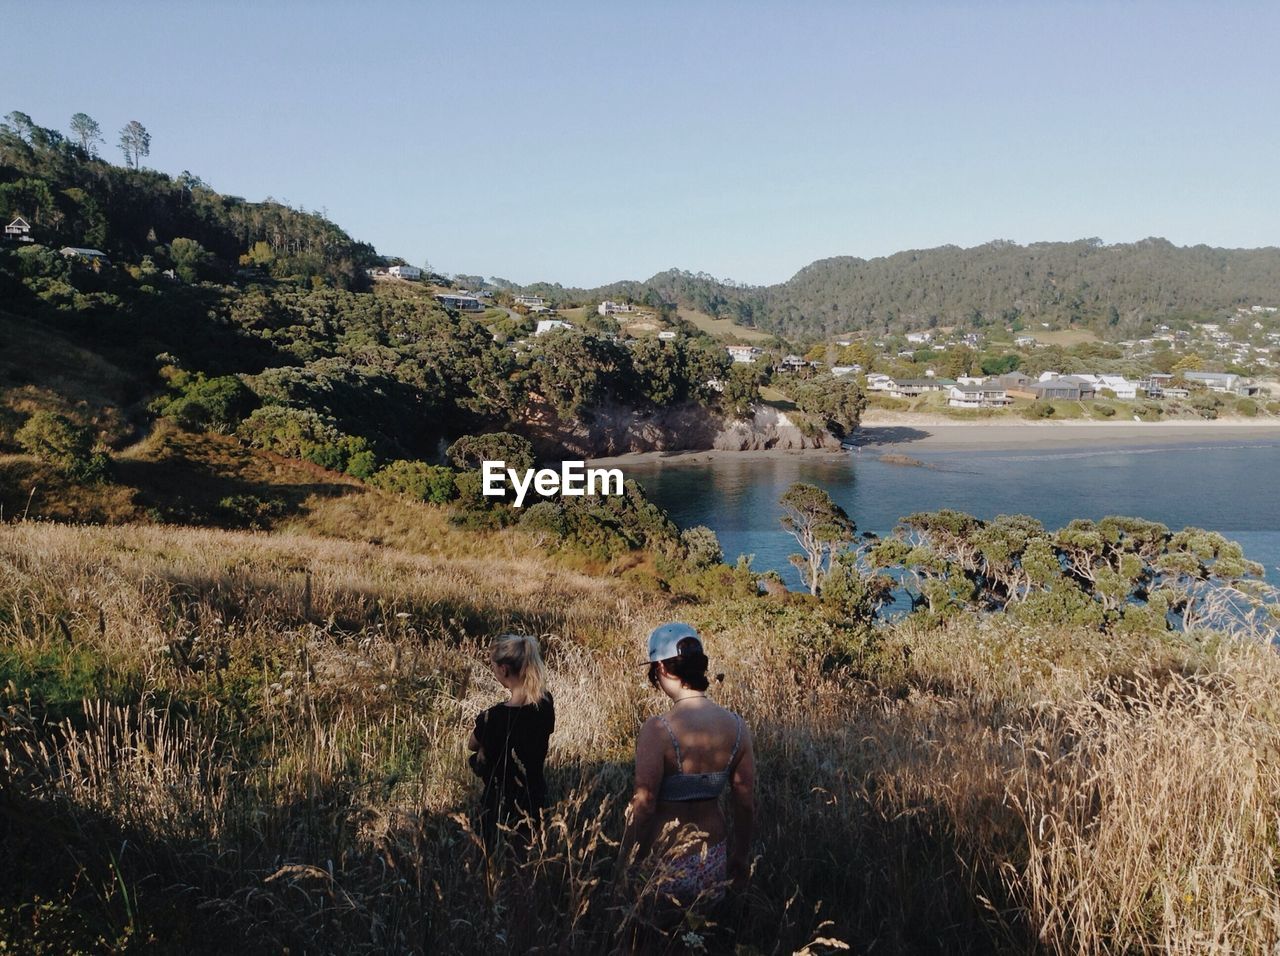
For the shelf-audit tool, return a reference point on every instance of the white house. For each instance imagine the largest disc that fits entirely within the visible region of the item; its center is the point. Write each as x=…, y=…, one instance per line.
x=1025, y=341
x=612, y=308
x=18, y=229
x=919, y=338
x=666, y=335
x=879, y=382
x=550, y=325
x=746, y=354
x=405, y=272
x=974, y=395
x=1118, y=384
x=530, y=301
x=841, y=370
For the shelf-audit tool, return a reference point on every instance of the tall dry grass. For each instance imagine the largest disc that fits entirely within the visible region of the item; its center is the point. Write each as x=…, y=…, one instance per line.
x=255, y=742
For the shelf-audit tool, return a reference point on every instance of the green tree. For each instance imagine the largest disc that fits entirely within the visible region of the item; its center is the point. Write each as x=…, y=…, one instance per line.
x=87, y=132
x=66, y=446
x=190, y=259
x=470, y=451
x=836, y=401
x=135, y=143
x=417, y=480
x=819, y=525
x=741, y=389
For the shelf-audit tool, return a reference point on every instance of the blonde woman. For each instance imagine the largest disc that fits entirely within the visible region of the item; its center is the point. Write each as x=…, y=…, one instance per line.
x=510, y=739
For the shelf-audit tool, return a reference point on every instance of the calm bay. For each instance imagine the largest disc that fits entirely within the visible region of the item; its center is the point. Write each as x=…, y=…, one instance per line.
x=1227, y=486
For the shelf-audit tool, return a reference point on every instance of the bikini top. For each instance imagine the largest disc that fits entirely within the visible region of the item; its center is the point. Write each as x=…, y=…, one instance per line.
x=682, y=787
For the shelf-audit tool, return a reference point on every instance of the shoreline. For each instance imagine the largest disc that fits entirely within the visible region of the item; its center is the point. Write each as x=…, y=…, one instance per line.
x=908, y=433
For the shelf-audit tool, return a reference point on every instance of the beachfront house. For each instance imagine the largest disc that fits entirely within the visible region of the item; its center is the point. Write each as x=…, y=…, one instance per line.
x=1071, y=388
x=988, y=394
x=1225, y=382
x=912, y=387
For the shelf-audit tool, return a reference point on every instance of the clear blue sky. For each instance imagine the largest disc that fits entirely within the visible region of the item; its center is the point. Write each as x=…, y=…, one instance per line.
x=594, y=141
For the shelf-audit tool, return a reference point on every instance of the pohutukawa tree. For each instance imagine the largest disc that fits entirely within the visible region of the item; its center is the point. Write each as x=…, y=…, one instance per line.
x=819, y=525
x=1117, y=572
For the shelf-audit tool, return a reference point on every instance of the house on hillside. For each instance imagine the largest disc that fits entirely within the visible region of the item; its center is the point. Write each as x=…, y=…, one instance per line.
x=405, y=272
x=919, y=338
x=550, y=325
x=85, y=255
x=666, y=335
x=839, y=371
x=531, y=301
x=462, y=303
x=747, y=354
x=608, y=307
x=19, y=230
x=988, y=394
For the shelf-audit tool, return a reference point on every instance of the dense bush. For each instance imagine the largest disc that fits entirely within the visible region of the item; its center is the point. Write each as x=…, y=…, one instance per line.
x=1038, y=409
x=66, y=446
x=417, y=480
x=201, y=403
x=305, y=434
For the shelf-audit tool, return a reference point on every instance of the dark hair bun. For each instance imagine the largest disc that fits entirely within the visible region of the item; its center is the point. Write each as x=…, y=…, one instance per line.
x=691, y=664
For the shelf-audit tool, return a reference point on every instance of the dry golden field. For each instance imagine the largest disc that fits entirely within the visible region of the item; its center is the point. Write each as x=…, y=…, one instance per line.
x=229, y=741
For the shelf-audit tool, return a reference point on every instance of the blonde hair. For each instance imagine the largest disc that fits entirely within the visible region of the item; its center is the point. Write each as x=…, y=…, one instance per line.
x=520, y=654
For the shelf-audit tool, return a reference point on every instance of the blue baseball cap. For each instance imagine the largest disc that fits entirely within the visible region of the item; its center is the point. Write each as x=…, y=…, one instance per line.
x=664, y=641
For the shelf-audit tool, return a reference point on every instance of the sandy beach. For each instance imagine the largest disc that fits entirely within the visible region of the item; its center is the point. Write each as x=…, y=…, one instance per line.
x=902, y=434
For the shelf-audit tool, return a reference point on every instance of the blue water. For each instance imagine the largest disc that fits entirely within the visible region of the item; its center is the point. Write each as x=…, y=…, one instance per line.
x=1221, y=486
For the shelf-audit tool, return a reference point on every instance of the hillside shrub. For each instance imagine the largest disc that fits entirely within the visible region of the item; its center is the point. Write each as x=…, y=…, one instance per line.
x=66, y=446
x=1103, y=410
x=1247, y=407
x=1205, y=405
x=701, y=546
x=305, y=434
x=205, y=404
x=417, y=480
x=1038, y=409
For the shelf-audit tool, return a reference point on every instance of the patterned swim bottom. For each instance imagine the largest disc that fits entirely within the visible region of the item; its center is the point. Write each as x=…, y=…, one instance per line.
x=696, y=874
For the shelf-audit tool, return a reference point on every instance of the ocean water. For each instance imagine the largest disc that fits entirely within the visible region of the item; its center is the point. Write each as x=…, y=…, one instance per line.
x=1223, y=486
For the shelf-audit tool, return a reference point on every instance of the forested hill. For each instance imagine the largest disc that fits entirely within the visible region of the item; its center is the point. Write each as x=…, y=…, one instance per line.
x=71, y=197
x=1123, y=287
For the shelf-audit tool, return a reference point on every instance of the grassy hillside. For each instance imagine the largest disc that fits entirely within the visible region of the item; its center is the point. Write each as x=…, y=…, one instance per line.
x=254, y=742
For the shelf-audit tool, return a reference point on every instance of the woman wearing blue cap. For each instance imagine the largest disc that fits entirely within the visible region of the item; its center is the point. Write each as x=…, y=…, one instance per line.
x=686, y=759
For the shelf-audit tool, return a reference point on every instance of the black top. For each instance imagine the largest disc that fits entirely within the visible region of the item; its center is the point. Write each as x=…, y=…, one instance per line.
x=514, y=742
